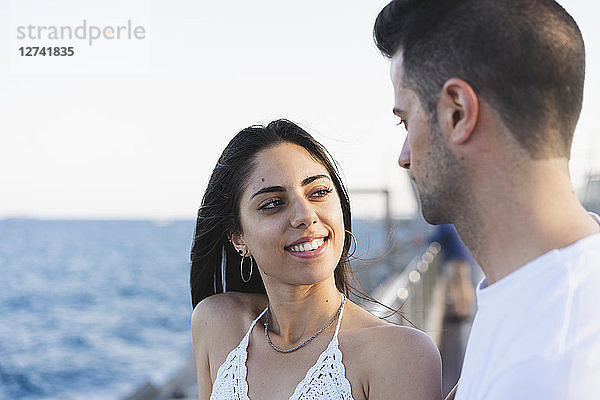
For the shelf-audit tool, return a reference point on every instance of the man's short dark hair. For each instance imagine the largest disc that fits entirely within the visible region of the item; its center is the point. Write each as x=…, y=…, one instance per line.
x=524, y=57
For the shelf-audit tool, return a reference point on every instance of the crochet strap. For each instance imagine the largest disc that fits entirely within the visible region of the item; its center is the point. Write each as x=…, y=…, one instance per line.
x=337, y=327
x=254, y=323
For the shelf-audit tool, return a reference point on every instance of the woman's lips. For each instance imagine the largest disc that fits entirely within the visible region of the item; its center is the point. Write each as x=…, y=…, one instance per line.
x=311, y=249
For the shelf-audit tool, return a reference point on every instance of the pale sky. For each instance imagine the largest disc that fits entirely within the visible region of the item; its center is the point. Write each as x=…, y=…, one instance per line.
x=132, y=128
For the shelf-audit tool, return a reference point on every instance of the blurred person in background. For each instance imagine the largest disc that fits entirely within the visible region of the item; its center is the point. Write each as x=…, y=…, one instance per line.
x=490, y=92
x=270, y=280
x=458, y=265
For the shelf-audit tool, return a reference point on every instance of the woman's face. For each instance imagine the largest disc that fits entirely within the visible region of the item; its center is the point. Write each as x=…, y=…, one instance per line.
x=291, y=217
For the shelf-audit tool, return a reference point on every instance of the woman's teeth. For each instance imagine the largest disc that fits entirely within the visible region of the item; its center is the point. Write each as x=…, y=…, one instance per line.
x=308, y=246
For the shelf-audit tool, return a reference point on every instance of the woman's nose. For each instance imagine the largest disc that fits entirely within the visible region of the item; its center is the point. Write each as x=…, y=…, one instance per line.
x=304, y=214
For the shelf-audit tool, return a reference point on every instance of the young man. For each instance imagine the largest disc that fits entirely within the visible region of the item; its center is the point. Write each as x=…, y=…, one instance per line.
x=490, y=92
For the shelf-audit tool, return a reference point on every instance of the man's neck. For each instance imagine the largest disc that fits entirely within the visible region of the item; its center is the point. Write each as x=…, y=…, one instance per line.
x=515, y=222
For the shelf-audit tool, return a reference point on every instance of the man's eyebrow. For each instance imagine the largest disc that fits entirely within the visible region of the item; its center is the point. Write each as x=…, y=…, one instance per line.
x=281, y=189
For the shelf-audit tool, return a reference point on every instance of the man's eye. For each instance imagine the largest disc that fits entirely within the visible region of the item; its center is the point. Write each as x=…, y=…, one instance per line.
x=270, y=204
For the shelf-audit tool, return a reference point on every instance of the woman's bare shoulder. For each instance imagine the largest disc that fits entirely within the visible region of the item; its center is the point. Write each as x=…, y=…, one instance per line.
x=229, y=307
x=221, y=320
x=408, y=343
x=392, y=353
x=379, y=335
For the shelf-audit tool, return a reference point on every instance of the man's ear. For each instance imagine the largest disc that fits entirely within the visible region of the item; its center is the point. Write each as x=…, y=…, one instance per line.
x=458, y=106
x=237, y=239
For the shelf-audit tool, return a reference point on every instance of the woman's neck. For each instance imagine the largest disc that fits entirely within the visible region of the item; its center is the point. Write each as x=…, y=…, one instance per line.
x=297, y=312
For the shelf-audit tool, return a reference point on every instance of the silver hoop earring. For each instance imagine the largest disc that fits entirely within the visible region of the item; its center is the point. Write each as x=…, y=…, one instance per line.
x=242, y=268
x=349, y=256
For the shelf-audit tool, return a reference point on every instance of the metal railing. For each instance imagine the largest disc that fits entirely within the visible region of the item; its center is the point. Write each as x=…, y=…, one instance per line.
x=417, y=292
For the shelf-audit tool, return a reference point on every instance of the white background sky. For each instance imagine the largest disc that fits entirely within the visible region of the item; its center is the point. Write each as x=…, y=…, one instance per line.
x=133, y=128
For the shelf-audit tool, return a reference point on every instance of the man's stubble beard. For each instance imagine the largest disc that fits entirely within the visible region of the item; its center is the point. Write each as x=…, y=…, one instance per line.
x=443, y=185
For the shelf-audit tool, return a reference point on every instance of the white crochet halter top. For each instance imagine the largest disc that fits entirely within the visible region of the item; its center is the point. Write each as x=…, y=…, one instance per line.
x=324, y=380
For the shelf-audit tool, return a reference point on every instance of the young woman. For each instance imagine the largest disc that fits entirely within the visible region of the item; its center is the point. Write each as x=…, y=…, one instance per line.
x=270, y=280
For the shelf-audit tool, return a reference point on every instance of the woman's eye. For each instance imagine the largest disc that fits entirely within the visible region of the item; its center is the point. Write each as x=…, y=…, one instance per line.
x=270, y=204
x=322, y=192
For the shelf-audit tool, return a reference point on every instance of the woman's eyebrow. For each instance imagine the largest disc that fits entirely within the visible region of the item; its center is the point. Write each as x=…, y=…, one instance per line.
x=281, y=189
x=269, y=189
x=311, y=179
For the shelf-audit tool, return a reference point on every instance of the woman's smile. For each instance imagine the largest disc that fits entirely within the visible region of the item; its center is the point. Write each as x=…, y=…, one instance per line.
x=308, y=248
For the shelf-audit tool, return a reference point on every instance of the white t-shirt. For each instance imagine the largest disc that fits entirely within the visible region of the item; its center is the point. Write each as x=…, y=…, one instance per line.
x=536, y=334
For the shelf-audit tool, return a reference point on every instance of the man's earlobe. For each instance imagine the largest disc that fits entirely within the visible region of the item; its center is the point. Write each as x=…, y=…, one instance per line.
x=463, y=106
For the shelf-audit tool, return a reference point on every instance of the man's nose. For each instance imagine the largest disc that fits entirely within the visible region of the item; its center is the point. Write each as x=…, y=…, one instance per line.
x=404, y=159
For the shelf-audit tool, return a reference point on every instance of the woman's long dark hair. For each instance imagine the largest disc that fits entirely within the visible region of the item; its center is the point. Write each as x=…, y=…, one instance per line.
x=219, y=217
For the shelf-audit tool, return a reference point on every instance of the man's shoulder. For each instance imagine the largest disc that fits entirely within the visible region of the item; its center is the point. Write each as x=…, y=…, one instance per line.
x=544, y=376
x=582, y=260
x=587, y=244
x=583, y=318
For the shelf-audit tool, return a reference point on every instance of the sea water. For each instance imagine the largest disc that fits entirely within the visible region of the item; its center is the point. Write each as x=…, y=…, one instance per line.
x=91, y=309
